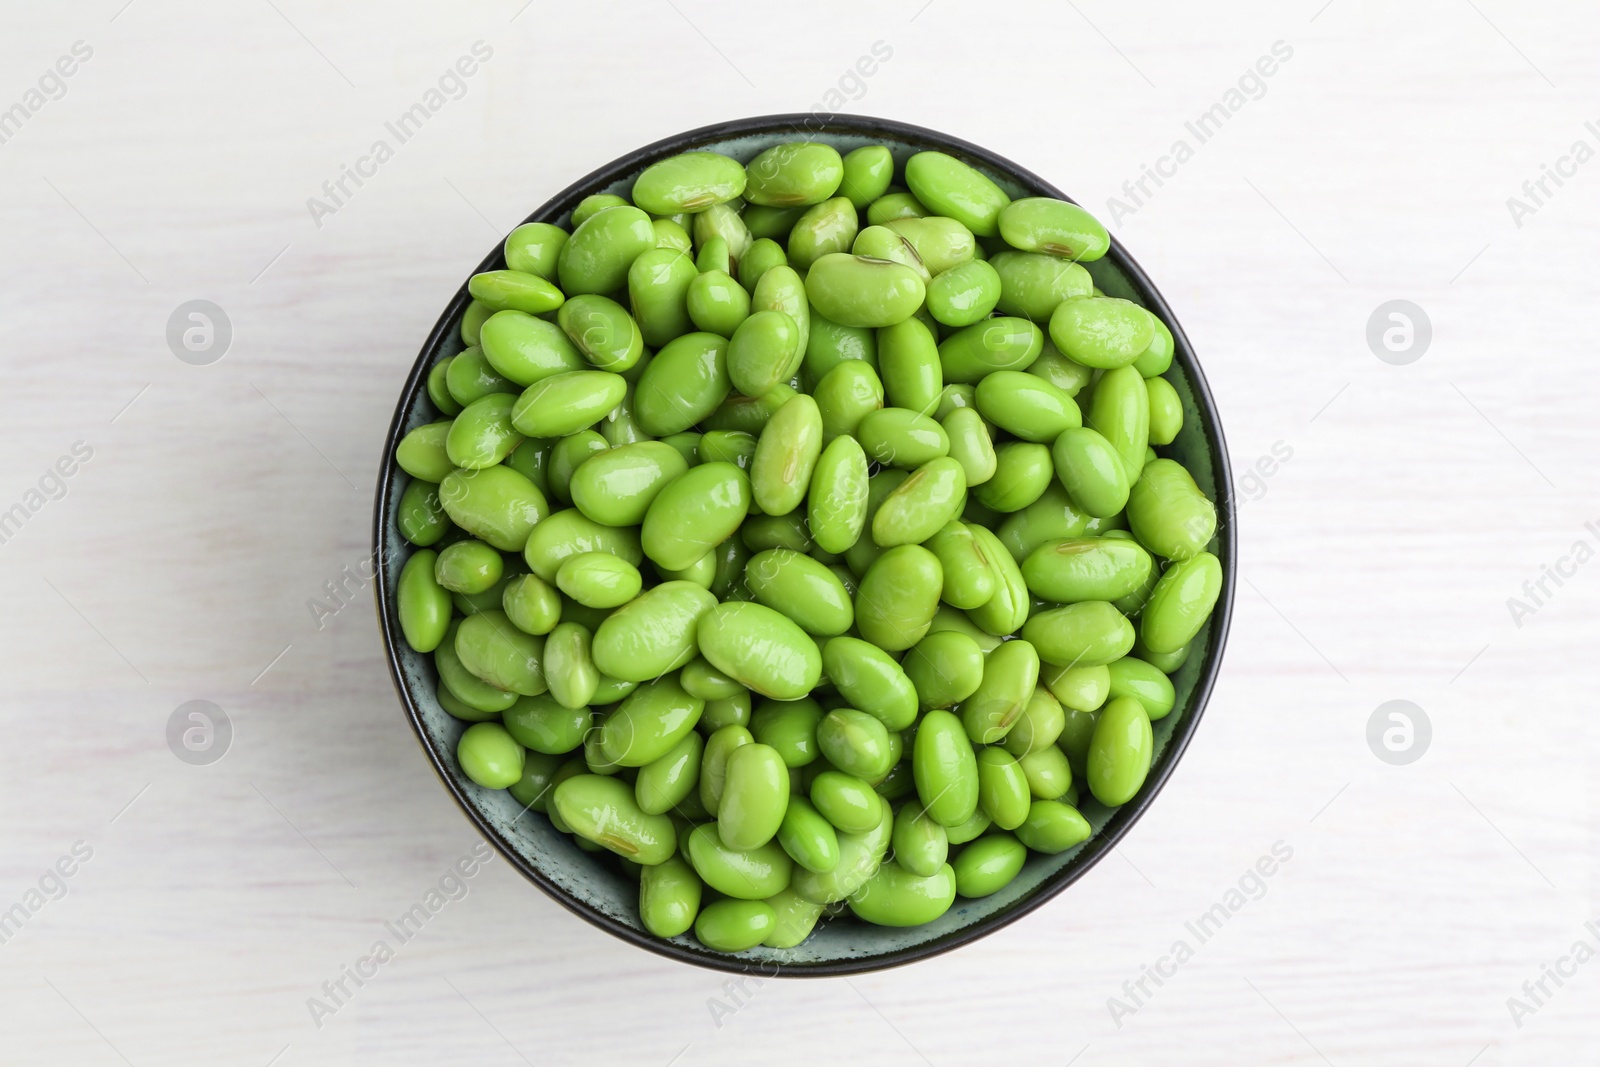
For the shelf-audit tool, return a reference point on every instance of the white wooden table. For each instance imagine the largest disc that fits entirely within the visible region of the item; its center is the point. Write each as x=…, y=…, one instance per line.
x=176, y=562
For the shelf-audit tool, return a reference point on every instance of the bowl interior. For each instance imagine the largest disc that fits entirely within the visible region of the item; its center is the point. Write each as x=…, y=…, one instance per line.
x=597, y=889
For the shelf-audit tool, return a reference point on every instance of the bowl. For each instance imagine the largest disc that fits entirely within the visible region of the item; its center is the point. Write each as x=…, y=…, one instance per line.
x=598, y=891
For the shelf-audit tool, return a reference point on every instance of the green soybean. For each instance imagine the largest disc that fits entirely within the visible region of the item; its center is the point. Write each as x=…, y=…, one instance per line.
x=721, y=223
x=569, y=670
x=543, y=724
x=1078, y=688
x=898, y=596
x=669, y=897
x=763, y=255
x=671, y=778
x=1056, y=227
x=532, y=790
x=1081, y=635
x=755, y=795
x=945, y=769
x=847, y=802
x=466, y=686
x=744, y=874
x=1119, y=753
x=988, y=865
x=1033, y=285
x=970, y=444
x=689, y=181
x=890, y=206
x=694, y=513
x=467, y=567
x=945, y=667
x=1089, y=568
x=867, y=172
x=1181, y=603
x=524, y=348
x=1048, y=771
x=1006, y=611
x=1052, y=517
x=717, y=303
x=793, y=174
x=824, y=228
x=534, y=248
x=603, y=810
x=1158, y=357
x=964, y=294
x=596, y=258
x=598, y=580
x=566, y=403
x=921, y=845
x=922, y=505
x=786, y=454
x=1053, y=827
x=789, y=727
x=870, y=679
x=1166, y=411
x=1023, y=472
x=421, y=453
x=714, y=764
x=729, y=711
x=1041, y=722
x=1120, y=411
x=683, y=383
x=1071, y=378
x=956, y=190
x=1002, y=343
x=1026, y=406
x=439, y=389
x=854, y=290
x=1134, y=677
x=1010, y=673
x=490, y=648
x=652, y=634
x=1101, y=332
x=829, y=344
x=490, y=756
x=856, y=743
x=602, y=331
x=616, y=487
x=763, y=352
x=1091, y=471
x=495, y=504
x=836, y=503
x=847, y=394
x=801, y=588
x=649, y=722
x=1169, y=513
x=908, y=362
x=940, y=244
x=899, y=437
x=760, y=648
x=894, y=896
x=570, y=532
x=501, y=290
x=422, y=604
x=808, y=838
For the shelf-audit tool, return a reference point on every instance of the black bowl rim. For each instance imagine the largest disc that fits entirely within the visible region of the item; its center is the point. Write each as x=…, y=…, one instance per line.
x=1120, y=823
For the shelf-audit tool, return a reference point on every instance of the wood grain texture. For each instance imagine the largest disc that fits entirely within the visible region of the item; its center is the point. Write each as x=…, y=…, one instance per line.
x=1376, y=561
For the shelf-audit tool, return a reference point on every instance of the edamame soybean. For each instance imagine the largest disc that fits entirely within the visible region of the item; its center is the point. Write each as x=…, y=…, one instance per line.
x=818, y=660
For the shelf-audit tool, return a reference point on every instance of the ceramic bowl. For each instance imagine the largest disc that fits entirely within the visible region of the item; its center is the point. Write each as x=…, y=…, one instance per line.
x=594, y=888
